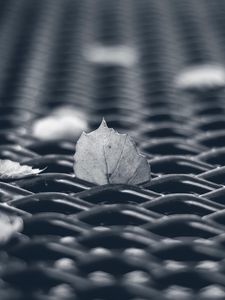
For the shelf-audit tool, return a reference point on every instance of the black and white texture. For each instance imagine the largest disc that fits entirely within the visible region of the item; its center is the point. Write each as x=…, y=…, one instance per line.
x=154, y=69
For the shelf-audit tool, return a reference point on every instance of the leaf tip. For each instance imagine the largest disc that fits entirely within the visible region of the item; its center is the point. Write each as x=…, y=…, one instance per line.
x=84, y=133
x=103, y=123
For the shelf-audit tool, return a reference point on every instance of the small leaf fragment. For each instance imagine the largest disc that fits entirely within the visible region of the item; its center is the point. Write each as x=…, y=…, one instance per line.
x=201, y=77
x=9, y=226
x=11, y=169
x=62, y=123
x=104, y=156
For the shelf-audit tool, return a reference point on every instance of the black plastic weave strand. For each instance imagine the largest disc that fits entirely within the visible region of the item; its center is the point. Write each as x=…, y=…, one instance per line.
x=79, y=241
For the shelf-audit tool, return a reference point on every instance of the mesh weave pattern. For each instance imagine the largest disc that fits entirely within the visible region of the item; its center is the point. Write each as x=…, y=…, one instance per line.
x=116, y=59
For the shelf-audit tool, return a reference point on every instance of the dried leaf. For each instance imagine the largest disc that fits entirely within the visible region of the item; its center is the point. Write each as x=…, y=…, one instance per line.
x=105, y=156
x=9, y=226
x=11, y=169
x=62, y=123
x=201, y=76
x=114, y=55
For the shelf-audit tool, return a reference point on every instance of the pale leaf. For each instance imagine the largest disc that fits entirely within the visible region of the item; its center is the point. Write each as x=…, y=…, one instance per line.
x=114, y=55
x=63, y=123
x=201, y=76
x=9, y=226
x=104, y=156
x=11, y=169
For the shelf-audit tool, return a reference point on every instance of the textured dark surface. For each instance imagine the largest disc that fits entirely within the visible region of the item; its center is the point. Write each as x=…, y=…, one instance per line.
x=164, y=241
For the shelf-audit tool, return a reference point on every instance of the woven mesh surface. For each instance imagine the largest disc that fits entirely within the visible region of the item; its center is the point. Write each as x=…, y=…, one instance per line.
x=116, y=59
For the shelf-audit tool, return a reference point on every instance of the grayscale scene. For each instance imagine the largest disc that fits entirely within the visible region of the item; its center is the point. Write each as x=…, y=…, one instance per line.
x=112, y=150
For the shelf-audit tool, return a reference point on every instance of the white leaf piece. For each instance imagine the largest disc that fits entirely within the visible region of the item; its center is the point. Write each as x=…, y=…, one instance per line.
x=121, y=55
x=104, y=156
x=9, y=226
x=201, y=76
x=11, y=169
x=62, y=123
